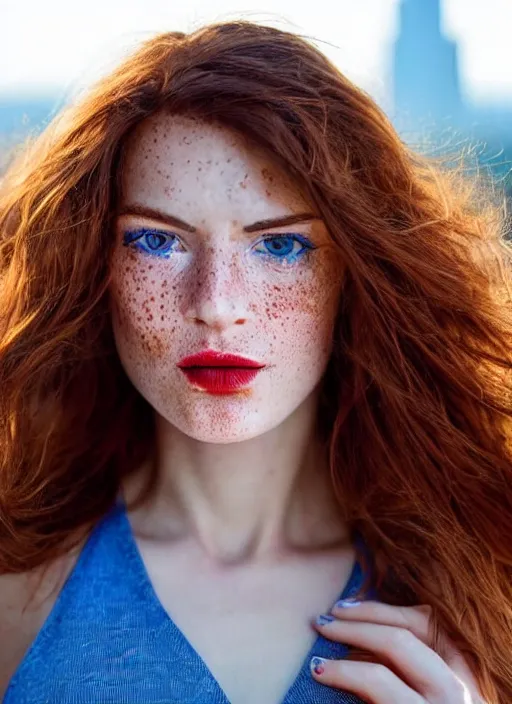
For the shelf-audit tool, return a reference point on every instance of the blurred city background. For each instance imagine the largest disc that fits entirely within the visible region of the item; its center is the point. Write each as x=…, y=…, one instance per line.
x=441, y=69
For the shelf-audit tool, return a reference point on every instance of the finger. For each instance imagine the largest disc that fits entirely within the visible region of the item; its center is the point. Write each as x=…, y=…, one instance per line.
x=416, y=619
x=413, y=618
x=374, y=683
x=420, y=666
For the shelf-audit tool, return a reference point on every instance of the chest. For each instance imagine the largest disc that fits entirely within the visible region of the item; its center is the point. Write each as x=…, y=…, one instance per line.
x=251, y=627
x=254, y=654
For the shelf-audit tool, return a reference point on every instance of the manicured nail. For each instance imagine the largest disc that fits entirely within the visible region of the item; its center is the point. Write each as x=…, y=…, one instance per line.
x=323, y=619
x=317, y=665
x=347, y=603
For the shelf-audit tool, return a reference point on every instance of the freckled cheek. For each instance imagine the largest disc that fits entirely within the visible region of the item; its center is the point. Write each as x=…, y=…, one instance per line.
x=302, y=313
x=145, y=305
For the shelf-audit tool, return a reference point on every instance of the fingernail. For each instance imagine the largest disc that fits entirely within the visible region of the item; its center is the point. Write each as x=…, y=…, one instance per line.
x=323, y=619
x=317, y=665
x=346, y=603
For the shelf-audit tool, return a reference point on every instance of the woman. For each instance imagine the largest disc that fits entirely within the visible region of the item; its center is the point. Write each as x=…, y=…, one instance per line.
x=252, y=359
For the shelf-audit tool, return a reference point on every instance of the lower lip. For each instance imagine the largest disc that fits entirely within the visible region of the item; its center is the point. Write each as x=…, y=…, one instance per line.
x=220, y=380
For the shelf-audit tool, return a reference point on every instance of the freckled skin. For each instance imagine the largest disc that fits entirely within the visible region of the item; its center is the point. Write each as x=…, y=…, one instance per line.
x=216, y=292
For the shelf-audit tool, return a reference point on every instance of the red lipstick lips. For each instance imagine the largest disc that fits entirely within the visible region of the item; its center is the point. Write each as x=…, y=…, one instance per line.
x=218, y=372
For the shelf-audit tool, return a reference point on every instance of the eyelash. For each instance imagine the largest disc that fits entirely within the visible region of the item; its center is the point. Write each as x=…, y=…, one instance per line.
x=138, y=238
x=134, y=237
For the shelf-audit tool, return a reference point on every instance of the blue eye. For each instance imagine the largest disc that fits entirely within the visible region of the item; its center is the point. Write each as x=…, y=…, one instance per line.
x=160, y=244
x=287, y=248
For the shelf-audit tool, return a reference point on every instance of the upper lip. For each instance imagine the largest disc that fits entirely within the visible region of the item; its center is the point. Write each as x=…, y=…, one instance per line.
x=211, y=358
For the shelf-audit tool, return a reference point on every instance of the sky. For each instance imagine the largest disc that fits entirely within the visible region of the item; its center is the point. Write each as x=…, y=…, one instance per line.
x=61, y=45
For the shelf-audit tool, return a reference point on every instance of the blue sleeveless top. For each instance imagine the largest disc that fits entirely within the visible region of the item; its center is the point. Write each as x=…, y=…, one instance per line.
x=108, y=639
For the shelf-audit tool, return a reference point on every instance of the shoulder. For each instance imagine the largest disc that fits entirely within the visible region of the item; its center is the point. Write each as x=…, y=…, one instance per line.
x=26, y=600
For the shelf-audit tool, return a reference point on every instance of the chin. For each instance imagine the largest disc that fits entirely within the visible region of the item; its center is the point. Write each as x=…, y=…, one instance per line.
x=217, y=439
x=223, y=434
x=222, y=426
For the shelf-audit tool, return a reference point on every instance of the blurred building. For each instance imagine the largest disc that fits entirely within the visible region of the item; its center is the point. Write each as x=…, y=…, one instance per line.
x=426, y=77
x=429, y=105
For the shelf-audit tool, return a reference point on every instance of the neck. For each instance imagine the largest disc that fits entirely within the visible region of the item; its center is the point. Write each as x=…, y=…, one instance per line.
x=255, y=499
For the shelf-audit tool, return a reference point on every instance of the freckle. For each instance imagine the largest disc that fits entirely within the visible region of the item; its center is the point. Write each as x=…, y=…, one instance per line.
x=152, y=299
x=162, y=307
x=162, y=295
x=162, y=318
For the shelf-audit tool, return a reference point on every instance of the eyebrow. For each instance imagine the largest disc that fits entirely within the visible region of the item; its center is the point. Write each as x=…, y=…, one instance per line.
x=156, y=214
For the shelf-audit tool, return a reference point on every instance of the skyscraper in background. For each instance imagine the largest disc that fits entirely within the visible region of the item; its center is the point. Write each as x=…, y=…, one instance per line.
x=425, y=72
x=429, y=105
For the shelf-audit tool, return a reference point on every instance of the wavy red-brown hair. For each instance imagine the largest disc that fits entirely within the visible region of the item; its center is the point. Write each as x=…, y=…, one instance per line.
x=417, y=398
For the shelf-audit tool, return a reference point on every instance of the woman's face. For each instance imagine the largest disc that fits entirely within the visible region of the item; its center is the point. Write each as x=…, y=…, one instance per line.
x=202, y=263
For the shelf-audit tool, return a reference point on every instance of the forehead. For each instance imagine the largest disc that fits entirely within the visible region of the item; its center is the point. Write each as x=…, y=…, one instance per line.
x=179, y=158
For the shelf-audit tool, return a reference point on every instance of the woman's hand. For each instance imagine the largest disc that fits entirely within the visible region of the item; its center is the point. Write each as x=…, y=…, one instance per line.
x=407, y=670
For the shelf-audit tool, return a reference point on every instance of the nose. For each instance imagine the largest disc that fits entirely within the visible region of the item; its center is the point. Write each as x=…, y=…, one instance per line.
x=218, y=296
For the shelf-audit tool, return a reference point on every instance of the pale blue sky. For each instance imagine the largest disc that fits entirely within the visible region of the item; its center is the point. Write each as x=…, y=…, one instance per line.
x=65, y=43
